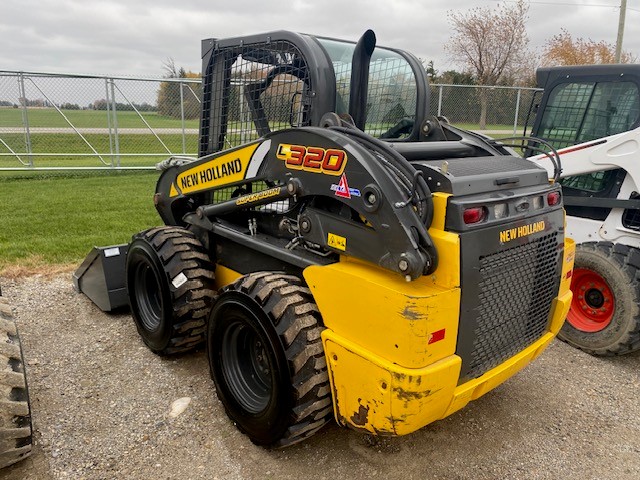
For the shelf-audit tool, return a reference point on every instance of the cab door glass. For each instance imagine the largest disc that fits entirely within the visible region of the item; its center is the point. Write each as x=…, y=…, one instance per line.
x=564, y=113
x=392, y=90
x=613, y=108
x=584, y=111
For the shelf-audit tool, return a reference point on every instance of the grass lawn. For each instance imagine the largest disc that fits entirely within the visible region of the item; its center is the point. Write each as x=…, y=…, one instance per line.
x=51, y=143
x=52, y=220
x=493, y=126
x=50, y=118
x=70, y=143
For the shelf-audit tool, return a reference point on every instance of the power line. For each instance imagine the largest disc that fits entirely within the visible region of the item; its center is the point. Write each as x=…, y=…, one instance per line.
x=617, y=7
x=574, y=4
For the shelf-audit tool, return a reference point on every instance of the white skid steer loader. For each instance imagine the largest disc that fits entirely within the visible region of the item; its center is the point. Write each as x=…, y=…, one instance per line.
x=591, y=115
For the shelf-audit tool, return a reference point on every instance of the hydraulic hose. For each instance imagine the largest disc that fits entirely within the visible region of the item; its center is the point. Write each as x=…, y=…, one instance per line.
x=402, y=169
x=409, y=178
x=550, y=152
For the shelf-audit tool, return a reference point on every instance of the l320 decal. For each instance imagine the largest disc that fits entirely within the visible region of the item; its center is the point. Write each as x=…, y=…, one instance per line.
x=330, y=161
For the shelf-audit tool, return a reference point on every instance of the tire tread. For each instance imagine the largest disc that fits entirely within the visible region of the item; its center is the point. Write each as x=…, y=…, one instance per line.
x=15, y=412
x=628, y=260
x=290, y=306
x=181, y=252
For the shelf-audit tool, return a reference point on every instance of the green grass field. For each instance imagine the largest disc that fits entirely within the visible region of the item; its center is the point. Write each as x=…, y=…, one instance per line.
x=57, y=219
x=138, y=145
x=50, y=118
x=70, y=143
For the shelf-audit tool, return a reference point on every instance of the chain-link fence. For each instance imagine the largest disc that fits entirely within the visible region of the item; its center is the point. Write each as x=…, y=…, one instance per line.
x=54, y=121
x=494, y=110
x=70, y=121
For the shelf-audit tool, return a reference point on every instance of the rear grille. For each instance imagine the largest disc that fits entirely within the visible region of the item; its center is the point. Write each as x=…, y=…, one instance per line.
x=516, y=288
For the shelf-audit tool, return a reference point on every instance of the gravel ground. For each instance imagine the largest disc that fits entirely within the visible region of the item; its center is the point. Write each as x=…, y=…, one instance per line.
x=101, y=409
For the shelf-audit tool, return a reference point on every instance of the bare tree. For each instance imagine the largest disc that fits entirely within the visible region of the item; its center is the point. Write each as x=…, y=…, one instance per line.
x=170, y=68
x=563, y=49
x=171, y=102
x=492, y=44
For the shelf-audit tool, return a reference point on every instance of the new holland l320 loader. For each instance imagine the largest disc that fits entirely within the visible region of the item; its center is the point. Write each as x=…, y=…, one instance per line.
x=338, y=251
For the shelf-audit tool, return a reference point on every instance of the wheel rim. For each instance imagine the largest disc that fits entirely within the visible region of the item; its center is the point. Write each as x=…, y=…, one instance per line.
x=246, y=365
x=593, y=303
x=148, y=297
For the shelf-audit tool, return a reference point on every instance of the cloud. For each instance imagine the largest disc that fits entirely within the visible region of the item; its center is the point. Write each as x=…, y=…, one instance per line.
x=122, y=37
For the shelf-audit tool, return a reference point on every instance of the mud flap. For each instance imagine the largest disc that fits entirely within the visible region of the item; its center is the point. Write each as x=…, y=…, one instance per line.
x=101, y=277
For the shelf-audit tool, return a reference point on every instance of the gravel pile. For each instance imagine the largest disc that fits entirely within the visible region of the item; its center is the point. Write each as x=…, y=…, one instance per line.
x=105, y=407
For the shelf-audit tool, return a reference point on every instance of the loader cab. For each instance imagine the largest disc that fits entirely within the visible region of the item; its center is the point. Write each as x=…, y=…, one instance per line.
x=581, y=104
x=258, y=84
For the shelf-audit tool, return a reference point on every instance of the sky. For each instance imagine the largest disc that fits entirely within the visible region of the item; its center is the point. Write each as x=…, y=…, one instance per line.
x=137, y=37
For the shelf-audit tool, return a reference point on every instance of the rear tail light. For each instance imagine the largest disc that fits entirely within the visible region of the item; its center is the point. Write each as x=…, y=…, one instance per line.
x=553, y=198
x=474, y=215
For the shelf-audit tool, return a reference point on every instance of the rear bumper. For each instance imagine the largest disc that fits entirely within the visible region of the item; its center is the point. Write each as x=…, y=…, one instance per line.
x=475, y=388
x=378, y=396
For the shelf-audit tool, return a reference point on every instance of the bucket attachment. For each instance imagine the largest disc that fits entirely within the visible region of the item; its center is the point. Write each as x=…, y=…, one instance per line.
x=101, y=277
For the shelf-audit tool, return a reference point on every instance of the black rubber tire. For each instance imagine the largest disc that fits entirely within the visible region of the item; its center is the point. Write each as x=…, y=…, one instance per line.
x=619, y=266
x=267, y=360
x=15, y=411
x=170, y=282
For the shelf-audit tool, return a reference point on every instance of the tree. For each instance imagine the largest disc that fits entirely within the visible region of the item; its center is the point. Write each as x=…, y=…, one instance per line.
x=169, y=93
x=453, y=77
x=69, y=106
x=492, y=44
x=563, y=49
x=430, y=69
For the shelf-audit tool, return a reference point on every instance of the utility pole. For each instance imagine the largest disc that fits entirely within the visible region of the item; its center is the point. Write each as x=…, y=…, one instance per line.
x=623, y=12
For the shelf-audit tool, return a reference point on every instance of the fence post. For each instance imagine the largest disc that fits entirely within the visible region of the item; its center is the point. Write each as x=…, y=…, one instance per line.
x=515, y=119
x=108, y=100
x=115, y=122
x=439, y=100
x=25, y=118
x=184, y=141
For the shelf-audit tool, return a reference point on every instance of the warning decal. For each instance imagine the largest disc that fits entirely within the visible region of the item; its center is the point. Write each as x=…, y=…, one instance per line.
x=342, y=188
x=336, y=241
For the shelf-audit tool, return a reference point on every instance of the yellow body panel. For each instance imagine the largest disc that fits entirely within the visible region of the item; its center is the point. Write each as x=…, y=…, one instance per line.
x=373, y=394
x=386, y=376
x=384, y=314
x=564, y=294
x=381, y=397
x=439, y=210
x=225, y=276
